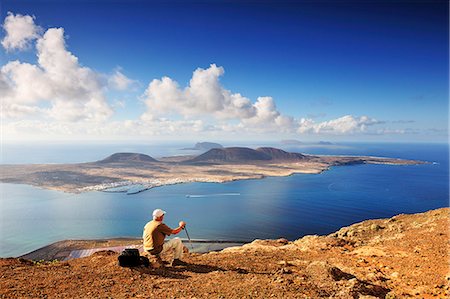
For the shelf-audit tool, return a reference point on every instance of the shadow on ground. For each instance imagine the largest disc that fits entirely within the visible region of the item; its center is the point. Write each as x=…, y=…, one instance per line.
x=178, y=272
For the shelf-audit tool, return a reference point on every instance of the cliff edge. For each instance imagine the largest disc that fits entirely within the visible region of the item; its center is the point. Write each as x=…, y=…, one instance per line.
x=402, y=257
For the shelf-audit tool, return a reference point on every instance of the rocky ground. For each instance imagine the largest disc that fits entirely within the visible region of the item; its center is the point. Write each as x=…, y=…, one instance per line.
x=402, y=257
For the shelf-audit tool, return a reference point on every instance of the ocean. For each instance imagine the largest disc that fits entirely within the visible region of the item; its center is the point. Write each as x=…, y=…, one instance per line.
x=273, y=207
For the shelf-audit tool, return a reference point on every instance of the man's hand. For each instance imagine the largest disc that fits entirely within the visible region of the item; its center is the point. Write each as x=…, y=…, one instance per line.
x=180, y=227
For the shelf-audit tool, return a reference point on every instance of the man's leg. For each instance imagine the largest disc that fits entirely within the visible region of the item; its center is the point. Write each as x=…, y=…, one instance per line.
x=176, y=245
x=155, y=258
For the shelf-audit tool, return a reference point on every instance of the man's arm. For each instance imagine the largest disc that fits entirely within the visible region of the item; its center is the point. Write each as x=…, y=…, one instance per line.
x=182, y=224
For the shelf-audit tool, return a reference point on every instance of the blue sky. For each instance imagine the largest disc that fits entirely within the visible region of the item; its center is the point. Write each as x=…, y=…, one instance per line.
x=342, y=71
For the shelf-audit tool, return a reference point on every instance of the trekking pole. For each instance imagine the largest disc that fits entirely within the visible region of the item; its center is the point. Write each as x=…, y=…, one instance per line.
x=187, y=234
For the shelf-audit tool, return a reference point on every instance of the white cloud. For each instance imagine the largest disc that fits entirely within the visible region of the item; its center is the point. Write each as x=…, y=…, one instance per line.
x=204, y=92
x=127, y=129
x=24, y=83
x=57, y=86
x=162, y=96
x=205, y=97
x=119, y=81
x=160, y=128
x=347, y=124
x=265, y=111
x=73, y=96
x=267, y=118
x=20, y=30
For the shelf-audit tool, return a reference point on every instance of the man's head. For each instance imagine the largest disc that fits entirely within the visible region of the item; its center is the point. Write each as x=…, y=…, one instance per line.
x=158, y=214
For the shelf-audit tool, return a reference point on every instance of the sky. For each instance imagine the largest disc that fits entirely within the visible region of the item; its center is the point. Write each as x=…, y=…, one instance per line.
x=224, y=70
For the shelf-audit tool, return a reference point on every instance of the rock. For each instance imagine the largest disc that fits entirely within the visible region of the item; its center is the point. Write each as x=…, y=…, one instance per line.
x=363, y=289
x=309, y=243
x=395, y=275
x=352, y=233
x=284, y=263
x=369, y=251
x=375, y=227
x=390, y=295
x=285, y=271
x=338, y=274
x=326, y=271
x=362, y=261
x=283, y=241
x=371, y=276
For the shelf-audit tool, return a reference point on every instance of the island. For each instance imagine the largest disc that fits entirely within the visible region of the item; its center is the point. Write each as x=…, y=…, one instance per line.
x=135, y=172
x=204, y=146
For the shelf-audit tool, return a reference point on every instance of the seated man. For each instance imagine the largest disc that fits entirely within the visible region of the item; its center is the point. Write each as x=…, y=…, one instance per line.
x=154, y=234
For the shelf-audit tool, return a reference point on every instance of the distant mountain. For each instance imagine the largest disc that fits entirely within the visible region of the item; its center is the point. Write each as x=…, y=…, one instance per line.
x=231, y=154
x=244, y=154
x=204, y=146
x=278, y=154
x=291, y=142
x=297, y=142
x=127, y=157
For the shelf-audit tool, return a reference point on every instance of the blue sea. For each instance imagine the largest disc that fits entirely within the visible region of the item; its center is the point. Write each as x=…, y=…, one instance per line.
x=273, y=207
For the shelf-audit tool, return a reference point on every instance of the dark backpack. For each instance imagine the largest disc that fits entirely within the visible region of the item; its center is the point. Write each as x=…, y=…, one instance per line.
x=130, y=258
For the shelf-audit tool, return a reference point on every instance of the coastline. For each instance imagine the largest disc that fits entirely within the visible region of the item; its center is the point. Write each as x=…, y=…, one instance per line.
x=64, y=250
x=132, y=177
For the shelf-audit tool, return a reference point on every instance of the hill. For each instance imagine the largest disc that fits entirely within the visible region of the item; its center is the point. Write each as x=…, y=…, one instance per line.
x=402, y=257
x=278, y=154
x=204, y=146
x=127, y=157
x=231, y=154
x=245, y=154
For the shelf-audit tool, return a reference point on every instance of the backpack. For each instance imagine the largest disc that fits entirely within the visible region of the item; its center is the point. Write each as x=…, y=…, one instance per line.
x=130, y=258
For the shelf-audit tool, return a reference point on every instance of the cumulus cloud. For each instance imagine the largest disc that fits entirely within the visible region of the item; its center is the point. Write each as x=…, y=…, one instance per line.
x=203, y=95
x=268, y=118
x=54, y=94
x=206, y=97
x=57, y=86
x=20, y=31
x=347, y=124
x=127, y=129
x=119, y=81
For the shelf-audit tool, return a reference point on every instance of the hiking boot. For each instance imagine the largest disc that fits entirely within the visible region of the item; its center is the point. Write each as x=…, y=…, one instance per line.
x=178, y=262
